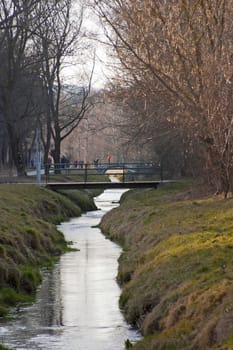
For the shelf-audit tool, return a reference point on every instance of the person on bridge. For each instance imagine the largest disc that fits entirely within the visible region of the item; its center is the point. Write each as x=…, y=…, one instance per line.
x=109, y=158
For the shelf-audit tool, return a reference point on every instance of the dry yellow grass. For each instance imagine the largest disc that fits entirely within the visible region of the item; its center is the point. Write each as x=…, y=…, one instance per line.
x=176, y=269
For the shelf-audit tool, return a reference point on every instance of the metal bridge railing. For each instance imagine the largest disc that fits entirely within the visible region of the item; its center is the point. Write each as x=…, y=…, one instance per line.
x=102, y=172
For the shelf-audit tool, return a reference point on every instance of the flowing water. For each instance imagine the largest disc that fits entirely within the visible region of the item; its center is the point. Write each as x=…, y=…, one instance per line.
x=77, y=303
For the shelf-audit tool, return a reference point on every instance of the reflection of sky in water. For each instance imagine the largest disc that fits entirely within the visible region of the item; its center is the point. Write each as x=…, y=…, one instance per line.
x=77, y=304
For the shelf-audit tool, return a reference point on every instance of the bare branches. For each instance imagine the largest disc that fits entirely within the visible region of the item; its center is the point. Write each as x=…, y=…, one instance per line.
x=35, y=39
x=183, y=51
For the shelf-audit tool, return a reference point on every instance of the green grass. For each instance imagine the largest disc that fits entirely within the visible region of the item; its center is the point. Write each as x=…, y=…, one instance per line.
x=77, y=175
x=176, y=269
x=29, y=239
x=80, y=198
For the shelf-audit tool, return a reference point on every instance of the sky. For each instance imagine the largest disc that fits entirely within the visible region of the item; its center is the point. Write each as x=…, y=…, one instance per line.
x=81, y=67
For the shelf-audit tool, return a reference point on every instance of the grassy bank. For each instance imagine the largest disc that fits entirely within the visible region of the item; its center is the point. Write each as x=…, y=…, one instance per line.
x=29, y=239
x=176, y=269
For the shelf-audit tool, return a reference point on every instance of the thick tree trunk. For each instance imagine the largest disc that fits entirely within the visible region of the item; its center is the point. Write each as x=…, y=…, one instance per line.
x=56, y=153
x=16, y=151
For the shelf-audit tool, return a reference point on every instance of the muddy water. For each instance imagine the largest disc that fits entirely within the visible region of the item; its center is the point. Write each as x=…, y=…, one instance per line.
x=77, y=304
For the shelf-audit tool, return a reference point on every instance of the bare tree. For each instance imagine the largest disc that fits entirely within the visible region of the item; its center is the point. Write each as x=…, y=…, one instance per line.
x=183, y=49
x=58, y=37
x=35, y=39
x=17, y=74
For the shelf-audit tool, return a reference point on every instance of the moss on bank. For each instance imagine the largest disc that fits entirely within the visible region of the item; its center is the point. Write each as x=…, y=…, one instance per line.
x=29, y=239
x=176, y=269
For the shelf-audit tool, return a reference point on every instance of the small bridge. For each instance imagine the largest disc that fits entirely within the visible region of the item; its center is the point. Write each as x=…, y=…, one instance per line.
x=102, y=185
x=104, y=176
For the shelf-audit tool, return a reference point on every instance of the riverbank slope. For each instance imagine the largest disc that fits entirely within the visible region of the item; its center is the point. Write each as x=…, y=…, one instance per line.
x=29, y=239
x=176, y=269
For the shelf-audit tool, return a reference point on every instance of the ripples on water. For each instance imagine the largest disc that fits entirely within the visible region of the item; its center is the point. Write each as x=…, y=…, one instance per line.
x=77, y=303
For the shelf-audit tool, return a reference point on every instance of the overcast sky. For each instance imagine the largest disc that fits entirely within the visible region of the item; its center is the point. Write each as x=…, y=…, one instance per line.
x=77, y=71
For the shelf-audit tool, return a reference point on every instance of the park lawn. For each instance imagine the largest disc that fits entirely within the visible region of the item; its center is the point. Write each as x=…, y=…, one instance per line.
x=76, y=175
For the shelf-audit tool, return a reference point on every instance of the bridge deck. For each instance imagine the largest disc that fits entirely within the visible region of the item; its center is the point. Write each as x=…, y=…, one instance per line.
x=103, y=185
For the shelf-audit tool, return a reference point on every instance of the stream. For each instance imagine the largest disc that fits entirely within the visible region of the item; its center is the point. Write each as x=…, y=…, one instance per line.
x=76, y=306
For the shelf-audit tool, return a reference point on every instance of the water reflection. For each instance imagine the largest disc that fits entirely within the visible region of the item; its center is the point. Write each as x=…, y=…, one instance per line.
x=77, y=304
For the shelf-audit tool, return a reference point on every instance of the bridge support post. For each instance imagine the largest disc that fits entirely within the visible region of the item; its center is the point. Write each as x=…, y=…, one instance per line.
x=46, y=173
x=85, y=173
x=161, y=172
x=38, y=160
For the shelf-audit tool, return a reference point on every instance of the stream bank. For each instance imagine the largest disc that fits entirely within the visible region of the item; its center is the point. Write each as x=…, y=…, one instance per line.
x=77, y=304
x=29, y=238
x=176, y=269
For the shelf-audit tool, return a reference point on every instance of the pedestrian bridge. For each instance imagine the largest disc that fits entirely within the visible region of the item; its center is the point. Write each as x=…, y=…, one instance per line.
x=104, y=176
x=102, y=185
